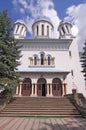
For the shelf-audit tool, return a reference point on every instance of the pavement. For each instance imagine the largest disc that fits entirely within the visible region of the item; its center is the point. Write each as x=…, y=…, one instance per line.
x=41, y=123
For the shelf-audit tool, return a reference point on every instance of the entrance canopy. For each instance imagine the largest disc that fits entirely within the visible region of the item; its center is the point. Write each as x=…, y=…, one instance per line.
x=44, y=70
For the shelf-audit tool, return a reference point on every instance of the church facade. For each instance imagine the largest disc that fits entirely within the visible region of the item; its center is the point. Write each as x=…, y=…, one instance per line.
x=49, y=67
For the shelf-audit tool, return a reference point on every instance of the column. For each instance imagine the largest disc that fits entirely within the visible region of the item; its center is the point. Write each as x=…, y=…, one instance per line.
x=35, y=85
x=63, y=89
x=32, y=90
x=20, y=89
x=51, y=90
x=47, y=90
x=17, y=90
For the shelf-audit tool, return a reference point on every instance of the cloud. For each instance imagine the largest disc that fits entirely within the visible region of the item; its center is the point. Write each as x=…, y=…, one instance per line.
x=32, y=9
x=77, y=15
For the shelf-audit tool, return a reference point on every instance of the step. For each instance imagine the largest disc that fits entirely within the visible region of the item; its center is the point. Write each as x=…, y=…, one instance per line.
x=40, y=106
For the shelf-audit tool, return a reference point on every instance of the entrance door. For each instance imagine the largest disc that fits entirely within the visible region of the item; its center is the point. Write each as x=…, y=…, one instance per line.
x=43, y=90
x=57, y=87
x=41, y=87
x=26, y=87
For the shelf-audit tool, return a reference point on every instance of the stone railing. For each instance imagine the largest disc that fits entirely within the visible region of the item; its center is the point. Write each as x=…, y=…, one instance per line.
x=79, y=101
x=4, y=101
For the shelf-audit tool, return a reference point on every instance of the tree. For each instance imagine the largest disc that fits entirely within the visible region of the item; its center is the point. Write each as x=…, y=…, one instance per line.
x=9, y=52
x=83, y=60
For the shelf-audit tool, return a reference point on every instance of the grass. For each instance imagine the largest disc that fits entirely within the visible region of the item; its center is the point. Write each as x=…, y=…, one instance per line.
x=42, y=117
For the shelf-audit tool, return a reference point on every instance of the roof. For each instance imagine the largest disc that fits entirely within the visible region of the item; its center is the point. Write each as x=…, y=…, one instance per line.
x=43, y=18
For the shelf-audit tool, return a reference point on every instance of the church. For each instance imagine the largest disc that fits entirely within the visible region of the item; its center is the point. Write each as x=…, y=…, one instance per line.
x=48, y=66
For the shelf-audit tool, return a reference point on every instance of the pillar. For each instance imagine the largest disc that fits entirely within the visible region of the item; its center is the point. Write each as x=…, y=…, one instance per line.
x=20, y=89
x=51, y=90
x=63, y=89
x=17, y=90
x=47, y=90
x=34, y=90
x=35, y=85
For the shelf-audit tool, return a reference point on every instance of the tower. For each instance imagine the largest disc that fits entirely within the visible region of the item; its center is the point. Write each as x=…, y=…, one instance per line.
x=42, y=28
x=19, y=30
x=65, y=29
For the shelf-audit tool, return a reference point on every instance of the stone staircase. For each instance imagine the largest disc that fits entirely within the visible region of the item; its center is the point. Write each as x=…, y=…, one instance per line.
x=40, y=106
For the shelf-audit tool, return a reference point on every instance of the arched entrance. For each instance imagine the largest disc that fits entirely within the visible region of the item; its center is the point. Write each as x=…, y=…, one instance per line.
x=41, y=87
x=26, y=87
x=56, y=87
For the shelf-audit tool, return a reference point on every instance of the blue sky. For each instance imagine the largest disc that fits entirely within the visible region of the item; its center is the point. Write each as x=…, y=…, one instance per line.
x=56, y=10
x=59, y=5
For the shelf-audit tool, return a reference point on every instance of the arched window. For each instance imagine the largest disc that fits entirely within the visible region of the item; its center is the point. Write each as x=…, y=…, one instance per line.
x=67, y=28
x=47, y=30
x=37, y=30
x=35, y=60
x=17, y=28
x=21, y=29
x=49, y=60
x=42, y=29
x=42, y=59
x=63, y=30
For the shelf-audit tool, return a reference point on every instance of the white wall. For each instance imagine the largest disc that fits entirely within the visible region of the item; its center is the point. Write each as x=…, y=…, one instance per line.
x=62, y=62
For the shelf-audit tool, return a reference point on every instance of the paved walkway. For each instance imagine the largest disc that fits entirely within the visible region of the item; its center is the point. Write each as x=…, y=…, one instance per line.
x=11, y=123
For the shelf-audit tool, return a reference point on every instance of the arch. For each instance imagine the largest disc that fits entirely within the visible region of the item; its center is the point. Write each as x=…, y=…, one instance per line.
x=41, y=87
x=57, y=87
x=41, y=80
x=26, y=87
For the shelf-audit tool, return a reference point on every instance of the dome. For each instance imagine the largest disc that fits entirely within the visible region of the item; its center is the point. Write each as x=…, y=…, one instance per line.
x=43, y=18
x=20, y=22
x=64, y=29
x=42, y=28
x=65, y=22
x=19, y=29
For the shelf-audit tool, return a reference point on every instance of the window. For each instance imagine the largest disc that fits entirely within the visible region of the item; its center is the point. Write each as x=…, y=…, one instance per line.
x=42, y=59
x=42, y=29
x=63, y=30
x=70, y=53
x=17, y=28
x=48, y=60
x=37, y=30
x=72, y=73
x=21, y=29
x=47, y=30
x=35, y=60
x=67, y=28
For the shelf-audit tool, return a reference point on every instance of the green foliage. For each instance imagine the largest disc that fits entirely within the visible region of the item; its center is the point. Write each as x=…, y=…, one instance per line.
x=9, y=90
x=9, y=53
x=83, y=60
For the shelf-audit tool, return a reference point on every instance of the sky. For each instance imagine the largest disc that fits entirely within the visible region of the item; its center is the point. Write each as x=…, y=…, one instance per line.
x=73, y=11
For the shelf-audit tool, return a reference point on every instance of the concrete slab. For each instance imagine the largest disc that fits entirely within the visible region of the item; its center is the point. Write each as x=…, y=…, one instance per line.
x=12, y=123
